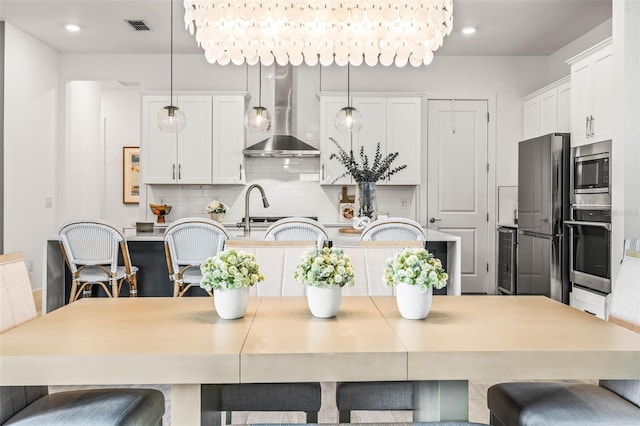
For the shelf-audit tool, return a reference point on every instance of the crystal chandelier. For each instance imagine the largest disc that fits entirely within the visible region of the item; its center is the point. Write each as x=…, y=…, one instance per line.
x=297, y=31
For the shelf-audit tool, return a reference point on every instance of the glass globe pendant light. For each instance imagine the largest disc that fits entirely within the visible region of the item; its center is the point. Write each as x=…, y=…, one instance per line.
x=348, y=119
x=171, y=119
x=258, y=117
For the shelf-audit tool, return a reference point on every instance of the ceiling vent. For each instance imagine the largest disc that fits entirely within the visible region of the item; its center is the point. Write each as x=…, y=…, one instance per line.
x=138, y=24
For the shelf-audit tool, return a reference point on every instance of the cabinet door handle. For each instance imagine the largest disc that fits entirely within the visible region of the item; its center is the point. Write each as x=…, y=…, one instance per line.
x=586, y=126
x=240, y=173
x=591, y=126
x=173, y=171
x=179, y=171
x=590, y=313
x=322, y=173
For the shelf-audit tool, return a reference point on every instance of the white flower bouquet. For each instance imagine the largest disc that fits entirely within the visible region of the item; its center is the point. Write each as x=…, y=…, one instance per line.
x=415, y=266
x=230, y=269
x=325, y=267
x=216, y=206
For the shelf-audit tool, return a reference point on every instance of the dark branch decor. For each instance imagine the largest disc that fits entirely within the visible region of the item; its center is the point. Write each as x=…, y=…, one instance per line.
x=362, y=172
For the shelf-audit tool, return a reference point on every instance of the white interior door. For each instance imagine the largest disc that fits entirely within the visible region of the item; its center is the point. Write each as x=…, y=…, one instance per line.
x=457, y=182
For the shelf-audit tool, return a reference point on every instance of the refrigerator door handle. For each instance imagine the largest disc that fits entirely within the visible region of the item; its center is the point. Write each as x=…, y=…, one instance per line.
x=572, y=223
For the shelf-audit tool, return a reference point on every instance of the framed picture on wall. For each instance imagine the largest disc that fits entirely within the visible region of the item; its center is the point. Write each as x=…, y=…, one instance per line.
x=131, y=174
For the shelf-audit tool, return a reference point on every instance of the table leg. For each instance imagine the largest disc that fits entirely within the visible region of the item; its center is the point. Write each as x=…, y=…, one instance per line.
x=435, y=400
x=185, y=404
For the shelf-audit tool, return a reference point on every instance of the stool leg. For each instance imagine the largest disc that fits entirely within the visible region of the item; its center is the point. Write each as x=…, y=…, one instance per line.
x=74, y=291
x=114, y=287
x=133, y=286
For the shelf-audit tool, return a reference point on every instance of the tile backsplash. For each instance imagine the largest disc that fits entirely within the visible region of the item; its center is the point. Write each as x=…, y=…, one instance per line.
x=291, y=186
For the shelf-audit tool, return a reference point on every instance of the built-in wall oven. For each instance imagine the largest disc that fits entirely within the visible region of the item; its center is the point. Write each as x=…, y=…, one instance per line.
x=590, y=249
x=590, y=217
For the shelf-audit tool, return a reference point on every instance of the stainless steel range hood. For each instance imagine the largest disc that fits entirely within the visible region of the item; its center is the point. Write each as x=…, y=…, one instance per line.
x=282, y=143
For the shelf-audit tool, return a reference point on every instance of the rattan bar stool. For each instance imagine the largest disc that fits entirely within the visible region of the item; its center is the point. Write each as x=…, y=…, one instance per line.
x=90, y=249
x=188, y=243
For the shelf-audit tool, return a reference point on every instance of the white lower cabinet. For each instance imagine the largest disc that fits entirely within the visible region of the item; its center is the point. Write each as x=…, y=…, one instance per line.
x=209, y=148
x=587, y=301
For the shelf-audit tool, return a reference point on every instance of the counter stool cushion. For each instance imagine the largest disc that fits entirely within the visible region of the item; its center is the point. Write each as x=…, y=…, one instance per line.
x=542, y=404
x=108, y=407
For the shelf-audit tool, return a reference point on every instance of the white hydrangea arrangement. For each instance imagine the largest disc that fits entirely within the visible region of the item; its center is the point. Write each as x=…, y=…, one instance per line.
x=230, y=269
x=415, y=266
x=216, y=206
x=325, y=267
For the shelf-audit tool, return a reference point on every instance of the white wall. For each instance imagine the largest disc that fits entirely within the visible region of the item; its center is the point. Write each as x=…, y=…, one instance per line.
x=31, y=101
x=82, y=176
x=120, y=127
x=626, y=139
x=558, y=67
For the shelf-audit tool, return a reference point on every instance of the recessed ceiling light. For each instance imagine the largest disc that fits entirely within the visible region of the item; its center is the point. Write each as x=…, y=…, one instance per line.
x=72, y=28
x=468, y=30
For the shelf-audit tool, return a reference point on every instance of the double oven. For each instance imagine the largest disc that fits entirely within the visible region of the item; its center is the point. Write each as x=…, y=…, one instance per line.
x=590, y=221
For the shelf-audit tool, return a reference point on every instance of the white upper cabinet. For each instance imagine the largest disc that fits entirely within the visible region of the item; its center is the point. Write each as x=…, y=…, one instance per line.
x=547, y=110
x=394, y=121
x=228, y=139
x=403, y=137
x=591, y=94
x=214, y=130
x=194, y=141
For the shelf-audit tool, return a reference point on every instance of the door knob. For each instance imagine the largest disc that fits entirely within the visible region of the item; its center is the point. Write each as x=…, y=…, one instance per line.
x=433, y=220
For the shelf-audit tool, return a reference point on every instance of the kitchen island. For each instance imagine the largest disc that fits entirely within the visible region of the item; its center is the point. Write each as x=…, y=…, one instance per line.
x=147, y=253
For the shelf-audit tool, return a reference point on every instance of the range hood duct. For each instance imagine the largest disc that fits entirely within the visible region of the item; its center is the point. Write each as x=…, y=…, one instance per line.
x=282, y=143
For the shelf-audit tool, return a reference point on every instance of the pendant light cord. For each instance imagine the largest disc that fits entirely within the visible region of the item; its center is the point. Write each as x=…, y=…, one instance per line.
x=171, y=55
x=260, y=84
x=348, y=85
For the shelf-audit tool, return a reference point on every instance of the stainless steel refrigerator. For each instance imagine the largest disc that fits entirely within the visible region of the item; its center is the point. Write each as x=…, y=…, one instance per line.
x=543, y=206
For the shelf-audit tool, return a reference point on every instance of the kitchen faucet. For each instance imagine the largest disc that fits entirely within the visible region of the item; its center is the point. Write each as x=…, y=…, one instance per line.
x=265, y=203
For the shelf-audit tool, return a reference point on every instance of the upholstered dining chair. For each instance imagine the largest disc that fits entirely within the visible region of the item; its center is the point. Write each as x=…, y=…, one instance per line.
x=90, y=249
x=393, y=229
x=380, y=396
x=611, y=402
x=188, y=243
x=297, y=229
x=34, y=405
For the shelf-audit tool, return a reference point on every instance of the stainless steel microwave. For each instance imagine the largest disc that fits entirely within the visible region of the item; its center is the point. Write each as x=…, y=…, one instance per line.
x=591, y=174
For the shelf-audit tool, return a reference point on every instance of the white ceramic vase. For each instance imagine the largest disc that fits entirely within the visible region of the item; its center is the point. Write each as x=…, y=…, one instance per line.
x=218, y=217
x=231, y=304
x=324, y=302
x=411, y=303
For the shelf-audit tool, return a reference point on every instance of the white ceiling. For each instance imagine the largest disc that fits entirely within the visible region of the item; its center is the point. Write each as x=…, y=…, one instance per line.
x=505, y=27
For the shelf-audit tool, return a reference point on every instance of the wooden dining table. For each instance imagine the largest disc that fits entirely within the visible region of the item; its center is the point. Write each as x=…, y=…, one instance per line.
x=182, y=342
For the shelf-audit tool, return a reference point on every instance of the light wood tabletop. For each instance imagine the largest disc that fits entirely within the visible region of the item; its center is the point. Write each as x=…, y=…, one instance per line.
x=182, y=342
x=177, y=341
x=520, y=337
x=288, y=344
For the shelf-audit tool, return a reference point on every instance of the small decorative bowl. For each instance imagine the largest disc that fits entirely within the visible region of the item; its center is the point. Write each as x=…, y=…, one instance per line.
x=160, y=210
